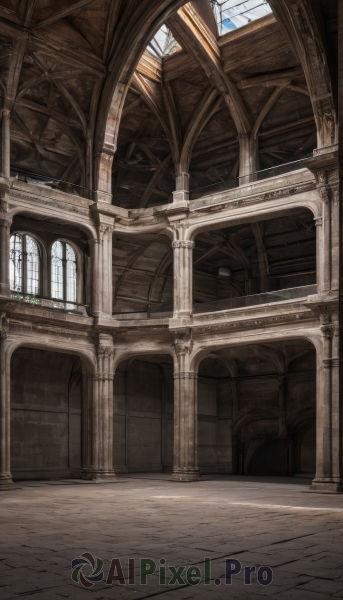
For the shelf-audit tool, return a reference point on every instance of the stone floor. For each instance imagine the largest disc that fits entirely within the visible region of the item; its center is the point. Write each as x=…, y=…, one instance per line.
x=271, y=522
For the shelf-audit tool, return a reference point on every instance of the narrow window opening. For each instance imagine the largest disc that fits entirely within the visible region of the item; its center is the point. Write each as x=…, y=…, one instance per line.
x=63, y=272
x=24, y=264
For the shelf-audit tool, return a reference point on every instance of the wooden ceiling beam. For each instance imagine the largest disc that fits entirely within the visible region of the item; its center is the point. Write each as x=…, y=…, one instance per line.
x=274, y=78
x=301, y=21
x=194, y=37
x=62, y=14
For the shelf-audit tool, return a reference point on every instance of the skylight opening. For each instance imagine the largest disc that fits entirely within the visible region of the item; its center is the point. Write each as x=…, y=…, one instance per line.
x=163, y=43
x=232, y=14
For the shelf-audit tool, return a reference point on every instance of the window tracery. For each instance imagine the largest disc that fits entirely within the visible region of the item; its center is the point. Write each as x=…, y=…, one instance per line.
x=63, y=272
x=24, y=264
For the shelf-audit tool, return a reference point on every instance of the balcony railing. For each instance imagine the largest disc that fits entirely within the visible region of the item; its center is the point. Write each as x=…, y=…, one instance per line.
x=224, y=186
x=165, y=310
x=70, y=307
x=50, y=183
x=256, y=299
x=213, y=188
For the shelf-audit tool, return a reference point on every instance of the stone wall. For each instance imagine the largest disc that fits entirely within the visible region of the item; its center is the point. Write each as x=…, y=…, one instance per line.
x=46, y=401
x=143, y=417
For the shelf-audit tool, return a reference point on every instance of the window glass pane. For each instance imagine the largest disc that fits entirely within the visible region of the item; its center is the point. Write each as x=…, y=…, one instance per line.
x=232, y=14
x=57, y=271
x=71, y=274
x=32, y=266
x=16, y=263
x=163, y=43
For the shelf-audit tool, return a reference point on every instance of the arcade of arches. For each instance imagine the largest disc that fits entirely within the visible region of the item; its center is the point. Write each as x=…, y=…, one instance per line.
x=171, y=240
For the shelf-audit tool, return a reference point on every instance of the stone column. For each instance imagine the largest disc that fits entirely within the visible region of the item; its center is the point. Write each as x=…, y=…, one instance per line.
x=102, y=422
x=4, y=187
x=329, y=411
x=183, y=278
x=102, y=269
x=336, y=236
x=248, y=157
x=325, y=167
x=185, y=414
x=5, y=143
x=181, y=194
x=324, y=283
x=87, y=394
x=5, y=416
x=104, y=183
x=5, y=226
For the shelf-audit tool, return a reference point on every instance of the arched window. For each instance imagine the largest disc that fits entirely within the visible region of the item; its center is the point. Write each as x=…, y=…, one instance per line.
x=63, y=272
x=24, y=264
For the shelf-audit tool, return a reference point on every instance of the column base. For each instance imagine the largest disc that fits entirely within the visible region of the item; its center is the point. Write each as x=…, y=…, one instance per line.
x=99, y=475
x=6, y=482
x=186, y=474
x=327, y=486
x=87, y=474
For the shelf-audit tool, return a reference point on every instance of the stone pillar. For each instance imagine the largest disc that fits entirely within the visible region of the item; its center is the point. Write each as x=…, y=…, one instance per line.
x=185, y=414
x=86, y=414
x=5, y=143
x=325, y=241
x=5, y=226
x=104, y=183
x=248, y=157
x=5, y=416
x=102, y=422
x=329, y=410
x=336, y=236
x=4, y=187
x=183, y=278
x=102, y=269
x=325, y=167
x=181, y=194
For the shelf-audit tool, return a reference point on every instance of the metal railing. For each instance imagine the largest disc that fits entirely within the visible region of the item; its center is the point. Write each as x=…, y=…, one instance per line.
x=165, y=309
x=256, y=299
x=51, y=183
x=224, y=186
x=194, y=194
x=73, y=307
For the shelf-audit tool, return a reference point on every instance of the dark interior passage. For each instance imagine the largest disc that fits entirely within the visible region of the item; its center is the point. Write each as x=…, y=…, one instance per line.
x=256, y=410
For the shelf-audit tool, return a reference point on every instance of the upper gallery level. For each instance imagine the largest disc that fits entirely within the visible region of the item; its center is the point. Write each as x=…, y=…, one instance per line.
x=197, y=108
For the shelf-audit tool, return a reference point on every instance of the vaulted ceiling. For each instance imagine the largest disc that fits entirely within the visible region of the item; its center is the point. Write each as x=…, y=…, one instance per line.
x=60, y=64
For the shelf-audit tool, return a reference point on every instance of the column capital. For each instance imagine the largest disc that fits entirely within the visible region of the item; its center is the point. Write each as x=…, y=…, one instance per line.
x=106, y=351
x=183, y=345
x=5, y=221
x=183, y=244
x=329, y=330
x=325, y=193
x=103, y=229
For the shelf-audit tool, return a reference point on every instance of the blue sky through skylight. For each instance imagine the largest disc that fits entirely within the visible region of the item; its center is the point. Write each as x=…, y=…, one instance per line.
x=229, y=15
x=163, y=43
x=232, y=14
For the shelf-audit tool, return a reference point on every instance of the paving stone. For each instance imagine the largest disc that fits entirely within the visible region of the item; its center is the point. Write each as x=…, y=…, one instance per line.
x=46, y=527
